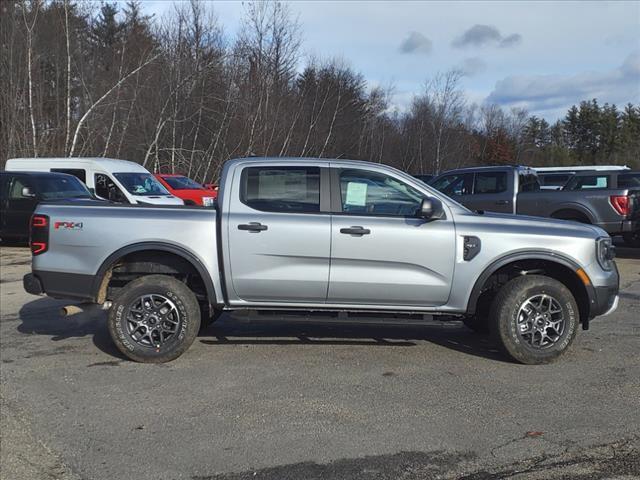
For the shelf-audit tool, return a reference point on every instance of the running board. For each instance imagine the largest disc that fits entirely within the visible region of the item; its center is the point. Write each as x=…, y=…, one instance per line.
x=356, y=317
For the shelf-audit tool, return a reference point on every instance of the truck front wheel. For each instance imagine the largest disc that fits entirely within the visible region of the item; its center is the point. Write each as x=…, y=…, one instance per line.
x=534, y=319
x=154, y=319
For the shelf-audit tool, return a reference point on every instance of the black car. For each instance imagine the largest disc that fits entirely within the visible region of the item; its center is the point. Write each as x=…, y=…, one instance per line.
x=425, y=177
x=20, y=192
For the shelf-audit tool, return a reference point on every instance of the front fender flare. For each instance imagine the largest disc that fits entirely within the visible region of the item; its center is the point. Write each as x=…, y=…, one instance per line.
x=526, y=255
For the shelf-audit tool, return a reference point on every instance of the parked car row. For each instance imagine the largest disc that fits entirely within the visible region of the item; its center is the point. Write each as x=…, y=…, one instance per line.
x=28, y=181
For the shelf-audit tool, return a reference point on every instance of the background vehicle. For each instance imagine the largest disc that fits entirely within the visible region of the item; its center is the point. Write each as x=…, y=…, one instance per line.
x=20, y=192
x=190, y=191
x=509, y=189
x=318, y=234
x=120, y=181
x=554, y=178
x=596, y=181
x=425, y=177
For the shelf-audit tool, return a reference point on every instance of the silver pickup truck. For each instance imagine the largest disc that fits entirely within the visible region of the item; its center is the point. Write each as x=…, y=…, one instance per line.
x=323, y=235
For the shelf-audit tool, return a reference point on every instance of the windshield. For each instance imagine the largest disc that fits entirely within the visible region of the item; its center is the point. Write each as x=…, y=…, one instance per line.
x=141, y=184
x=54, y=188
x=182, y=183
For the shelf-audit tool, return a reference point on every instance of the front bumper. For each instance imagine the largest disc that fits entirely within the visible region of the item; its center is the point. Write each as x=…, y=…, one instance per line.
x=606, y=301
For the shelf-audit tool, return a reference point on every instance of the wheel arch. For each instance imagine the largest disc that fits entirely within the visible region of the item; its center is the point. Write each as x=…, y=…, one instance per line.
x=551, y=264
x=567, y=211
x=104, y=273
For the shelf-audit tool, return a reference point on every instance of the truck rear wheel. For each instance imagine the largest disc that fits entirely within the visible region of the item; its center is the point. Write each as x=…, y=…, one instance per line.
x=534, y=319
x=154, y=319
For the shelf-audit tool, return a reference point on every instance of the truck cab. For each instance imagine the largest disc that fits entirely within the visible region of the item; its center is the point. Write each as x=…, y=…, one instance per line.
x=493, y=189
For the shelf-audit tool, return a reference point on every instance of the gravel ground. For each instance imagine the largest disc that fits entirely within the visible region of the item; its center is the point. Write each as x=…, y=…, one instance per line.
x=292, y=400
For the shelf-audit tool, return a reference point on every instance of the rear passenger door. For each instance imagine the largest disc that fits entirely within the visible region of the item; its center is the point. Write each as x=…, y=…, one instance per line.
x=491, y=191
x=279, y=234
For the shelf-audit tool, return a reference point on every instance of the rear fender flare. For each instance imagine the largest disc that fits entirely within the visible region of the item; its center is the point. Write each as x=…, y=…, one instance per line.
x=104, y=272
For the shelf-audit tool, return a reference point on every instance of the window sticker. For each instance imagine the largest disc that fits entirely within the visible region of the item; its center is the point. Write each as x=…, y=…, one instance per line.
x=356, y=194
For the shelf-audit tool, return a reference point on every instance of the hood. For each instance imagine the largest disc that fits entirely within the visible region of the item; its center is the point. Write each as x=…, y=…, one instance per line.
x=542, y=225
x=157, y=199
x=196, y=193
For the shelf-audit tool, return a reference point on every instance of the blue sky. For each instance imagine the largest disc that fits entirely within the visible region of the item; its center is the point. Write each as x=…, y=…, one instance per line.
x=544, y=56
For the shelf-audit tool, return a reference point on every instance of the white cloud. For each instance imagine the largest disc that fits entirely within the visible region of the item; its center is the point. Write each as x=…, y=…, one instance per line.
x=539, y=93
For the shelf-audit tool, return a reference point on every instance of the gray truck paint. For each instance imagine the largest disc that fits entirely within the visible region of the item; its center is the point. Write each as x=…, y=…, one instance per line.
x=301, y=262
x=592, y=205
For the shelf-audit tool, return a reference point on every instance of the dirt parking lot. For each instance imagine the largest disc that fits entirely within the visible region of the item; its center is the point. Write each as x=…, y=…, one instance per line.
x=289, y=400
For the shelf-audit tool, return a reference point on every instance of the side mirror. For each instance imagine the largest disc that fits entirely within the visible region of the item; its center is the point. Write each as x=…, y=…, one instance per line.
x=431, y=209
x=28, y=192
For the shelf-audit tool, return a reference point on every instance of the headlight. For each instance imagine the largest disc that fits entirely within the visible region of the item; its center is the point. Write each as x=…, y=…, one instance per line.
x=207, y=201
x=606, y=252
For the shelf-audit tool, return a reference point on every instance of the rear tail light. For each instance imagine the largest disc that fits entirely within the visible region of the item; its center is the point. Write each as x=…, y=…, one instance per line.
x=621, y=204
x=39, y=238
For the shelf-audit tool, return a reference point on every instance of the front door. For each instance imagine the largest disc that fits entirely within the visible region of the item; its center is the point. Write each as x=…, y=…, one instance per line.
x=19, y=207
x=382, y=253
x=278, y=235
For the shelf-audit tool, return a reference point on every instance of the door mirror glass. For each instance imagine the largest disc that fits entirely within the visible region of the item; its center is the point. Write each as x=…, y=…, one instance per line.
x=28, y=192
x=431, y=209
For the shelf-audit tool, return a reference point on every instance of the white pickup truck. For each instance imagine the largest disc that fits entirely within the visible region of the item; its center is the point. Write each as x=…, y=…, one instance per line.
x=323, y=235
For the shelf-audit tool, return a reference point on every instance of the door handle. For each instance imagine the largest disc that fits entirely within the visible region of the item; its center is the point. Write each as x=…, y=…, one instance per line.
x=252, y=227
x=355, y=231
x=502, y=202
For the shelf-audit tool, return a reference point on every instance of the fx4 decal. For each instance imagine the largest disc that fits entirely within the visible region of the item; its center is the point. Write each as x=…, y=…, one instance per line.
x=67, y=225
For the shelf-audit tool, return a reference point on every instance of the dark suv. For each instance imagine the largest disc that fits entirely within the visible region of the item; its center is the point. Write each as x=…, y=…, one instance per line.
x=20, y=192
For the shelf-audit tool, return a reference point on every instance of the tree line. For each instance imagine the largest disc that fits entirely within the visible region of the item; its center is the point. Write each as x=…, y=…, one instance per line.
x=176, y=94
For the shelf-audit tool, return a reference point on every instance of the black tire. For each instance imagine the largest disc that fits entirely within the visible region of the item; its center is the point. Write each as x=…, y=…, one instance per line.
x=147, y=305
x=207, y=319
x=513, y=303
x=632, y=239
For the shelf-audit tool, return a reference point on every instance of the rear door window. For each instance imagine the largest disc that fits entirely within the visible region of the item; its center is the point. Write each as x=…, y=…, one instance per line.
x=490, y=182
x=555, y=179
x=281, y=189
x=528, y=182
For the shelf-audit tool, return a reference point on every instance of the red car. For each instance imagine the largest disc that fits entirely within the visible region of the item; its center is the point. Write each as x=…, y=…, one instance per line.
x=188, y=190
